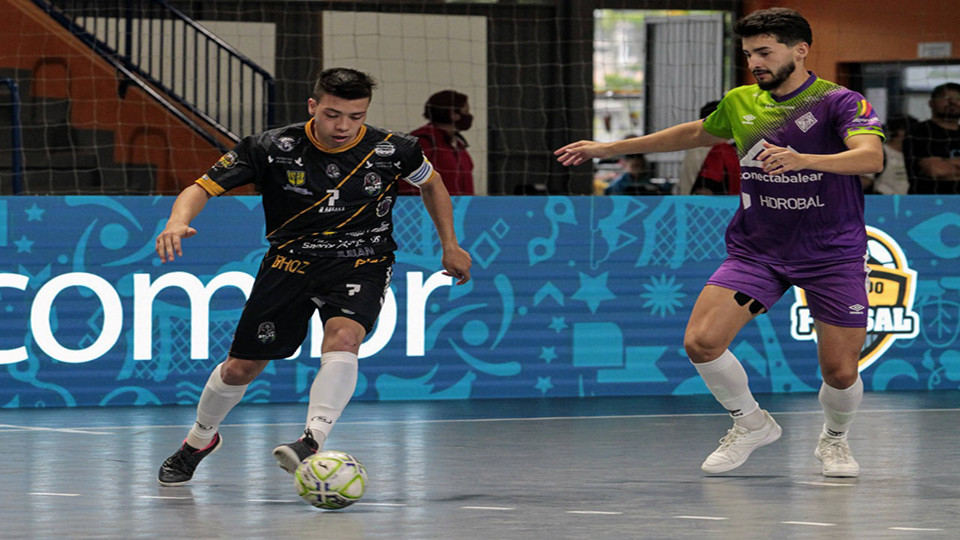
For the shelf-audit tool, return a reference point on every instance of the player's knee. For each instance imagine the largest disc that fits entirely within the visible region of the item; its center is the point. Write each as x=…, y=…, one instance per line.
x=341, y=338
x=700, y=347
x=840, y=376
x=237, y=372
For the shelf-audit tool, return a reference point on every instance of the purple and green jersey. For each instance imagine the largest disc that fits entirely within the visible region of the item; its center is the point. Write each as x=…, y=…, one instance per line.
x=800, y=217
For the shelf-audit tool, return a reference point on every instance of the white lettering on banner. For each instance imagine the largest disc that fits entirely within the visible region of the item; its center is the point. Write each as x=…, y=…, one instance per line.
x=144, y=292
x=14, y=281
x=417, y=294
x=112, y=317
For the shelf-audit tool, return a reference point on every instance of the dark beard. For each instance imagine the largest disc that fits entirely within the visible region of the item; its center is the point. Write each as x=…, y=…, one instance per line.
x=779, y=77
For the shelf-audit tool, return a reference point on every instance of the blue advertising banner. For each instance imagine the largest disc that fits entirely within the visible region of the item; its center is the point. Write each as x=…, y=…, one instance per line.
x=571, y=296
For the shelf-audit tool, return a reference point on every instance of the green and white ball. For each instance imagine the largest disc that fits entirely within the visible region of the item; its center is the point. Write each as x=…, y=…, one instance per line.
x=331, y=480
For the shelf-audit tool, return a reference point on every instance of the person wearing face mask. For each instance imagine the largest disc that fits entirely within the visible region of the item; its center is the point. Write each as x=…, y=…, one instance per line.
x=448, y=115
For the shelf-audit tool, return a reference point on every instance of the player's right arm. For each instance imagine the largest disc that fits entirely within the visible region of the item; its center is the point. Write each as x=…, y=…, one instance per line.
x=680, y=137
x=186, y=207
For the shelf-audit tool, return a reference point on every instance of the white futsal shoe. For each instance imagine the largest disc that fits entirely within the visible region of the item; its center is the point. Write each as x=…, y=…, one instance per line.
x=739, y=443
x=835, y=455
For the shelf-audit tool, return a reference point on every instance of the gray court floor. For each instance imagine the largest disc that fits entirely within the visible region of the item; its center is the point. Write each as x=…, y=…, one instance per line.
x=517, y=469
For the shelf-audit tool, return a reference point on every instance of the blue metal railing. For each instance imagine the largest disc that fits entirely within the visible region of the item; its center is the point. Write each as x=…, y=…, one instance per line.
x=16, y=141
x=195, y=68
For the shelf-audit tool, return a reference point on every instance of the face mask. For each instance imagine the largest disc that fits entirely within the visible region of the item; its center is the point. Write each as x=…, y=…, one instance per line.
x=464, y=122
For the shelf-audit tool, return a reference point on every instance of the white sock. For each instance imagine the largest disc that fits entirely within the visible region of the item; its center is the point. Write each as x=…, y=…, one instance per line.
x=215, y=402
x=727, y=381
x=330, y=392
x=839, y=407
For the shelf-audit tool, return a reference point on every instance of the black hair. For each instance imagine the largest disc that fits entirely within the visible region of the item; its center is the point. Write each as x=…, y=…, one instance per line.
x=708, y=108
x=440, y=106
x=344, y=83
x=939, y=91
x=785, y=25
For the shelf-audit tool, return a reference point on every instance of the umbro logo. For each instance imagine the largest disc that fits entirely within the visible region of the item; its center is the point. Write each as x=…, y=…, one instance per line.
x=856, y=309
x=748, y=119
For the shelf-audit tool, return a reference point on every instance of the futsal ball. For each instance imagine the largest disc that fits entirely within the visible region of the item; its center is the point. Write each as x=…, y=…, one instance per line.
x=330, y=480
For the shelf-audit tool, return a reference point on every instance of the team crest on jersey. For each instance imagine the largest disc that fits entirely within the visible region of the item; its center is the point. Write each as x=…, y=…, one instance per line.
x=296, y=178
x=891, y=288
x=372, y=184
x=285, y=144
x=333, y=171
x=384, y=148
x=384, y=206
x=806, y=122
x=227, y=161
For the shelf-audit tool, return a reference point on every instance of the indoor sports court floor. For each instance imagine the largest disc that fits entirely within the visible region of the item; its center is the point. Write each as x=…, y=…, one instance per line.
x=520, y=469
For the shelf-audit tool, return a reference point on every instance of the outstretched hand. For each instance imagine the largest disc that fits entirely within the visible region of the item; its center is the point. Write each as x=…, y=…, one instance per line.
x=168, y=241
x=580, y=151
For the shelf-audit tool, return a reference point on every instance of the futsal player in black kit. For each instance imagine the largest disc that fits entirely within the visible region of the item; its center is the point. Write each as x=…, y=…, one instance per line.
x=328, y=186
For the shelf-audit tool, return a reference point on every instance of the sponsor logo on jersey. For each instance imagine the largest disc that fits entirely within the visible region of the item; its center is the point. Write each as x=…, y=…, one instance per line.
x=806, y=122
x=227, y=161
x=891, y=288
x=384, y=148
x=333, y=171
x=372, y=184
x=285, y=144
x=375, y=260
x=383, y=207
x=296, y=178
x=864, y=108
x=289, y=264
x=266, y=333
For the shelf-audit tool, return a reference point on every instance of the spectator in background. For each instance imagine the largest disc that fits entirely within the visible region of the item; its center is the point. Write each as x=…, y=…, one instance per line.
x=635, y=179
x=893, y=180
x=720, y=174
x=693, y=158
x=448, y=114
x=932, y=148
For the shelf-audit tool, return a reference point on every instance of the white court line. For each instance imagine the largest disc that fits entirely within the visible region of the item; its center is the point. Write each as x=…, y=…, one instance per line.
x=54, y=494
x=711, y=518
x=514, y=419
x=379, y=504
x=828, y=484
x=913, y=529
x=598, y=512
x=811, y=523
x=170, y=497
x=271, y=500
x=85, y=431
x=503, y=508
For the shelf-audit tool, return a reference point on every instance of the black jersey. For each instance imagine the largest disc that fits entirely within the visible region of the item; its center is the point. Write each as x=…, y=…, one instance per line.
x=320, y=201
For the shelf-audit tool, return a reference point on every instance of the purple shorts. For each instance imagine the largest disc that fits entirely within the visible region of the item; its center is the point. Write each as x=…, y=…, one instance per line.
x=836, y=292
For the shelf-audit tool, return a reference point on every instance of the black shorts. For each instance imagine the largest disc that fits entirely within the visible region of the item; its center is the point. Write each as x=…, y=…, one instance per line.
x=289, y=288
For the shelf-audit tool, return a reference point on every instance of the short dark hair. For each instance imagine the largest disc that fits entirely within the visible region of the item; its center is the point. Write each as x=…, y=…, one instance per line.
x=708, y=108
x=898, y=123
x=345, y=83
x=939, y=91
x=786, y=25
x=440, y=106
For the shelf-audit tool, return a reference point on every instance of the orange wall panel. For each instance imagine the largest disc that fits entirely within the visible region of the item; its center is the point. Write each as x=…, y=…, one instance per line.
x=63, y=67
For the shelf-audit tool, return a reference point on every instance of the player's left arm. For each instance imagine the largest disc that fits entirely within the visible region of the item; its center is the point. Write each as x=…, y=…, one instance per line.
x=456, y=261
x=864, y=155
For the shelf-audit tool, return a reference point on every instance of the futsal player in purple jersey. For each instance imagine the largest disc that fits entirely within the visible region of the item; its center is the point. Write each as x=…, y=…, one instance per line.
x=803, y=142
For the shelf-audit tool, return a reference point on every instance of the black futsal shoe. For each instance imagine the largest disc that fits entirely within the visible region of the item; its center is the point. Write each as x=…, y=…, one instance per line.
x=290, y=455
x=178, y=468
